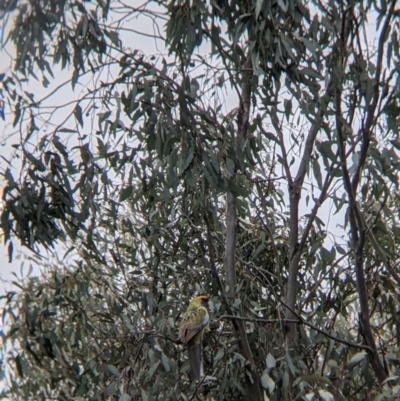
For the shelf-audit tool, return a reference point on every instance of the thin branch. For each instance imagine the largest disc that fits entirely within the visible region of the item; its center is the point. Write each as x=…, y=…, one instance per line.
x=278, y=129
x=299, y=321
x=256, y=320
x=378, y=249
x=318, y=283
x=358, y=234
x=271, y=237
x=317, y=205
x=239, y=328
x=230, y=244
x=366, y=130
x=305, y=160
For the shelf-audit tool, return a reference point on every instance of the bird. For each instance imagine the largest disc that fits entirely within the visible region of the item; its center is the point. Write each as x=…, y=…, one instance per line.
x=195, y=322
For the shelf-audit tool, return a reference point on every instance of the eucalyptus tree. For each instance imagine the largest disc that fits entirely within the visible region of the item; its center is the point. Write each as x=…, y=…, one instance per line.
x=252, y=156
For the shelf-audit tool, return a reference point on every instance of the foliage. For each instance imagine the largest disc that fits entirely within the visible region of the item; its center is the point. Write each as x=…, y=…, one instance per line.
x=256, y=162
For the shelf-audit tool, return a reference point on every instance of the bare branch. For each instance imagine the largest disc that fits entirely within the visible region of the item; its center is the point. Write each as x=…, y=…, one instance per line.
x=240, y=331
x=305, y=160
x=230, y=244
x=317, y=205
x=278, y=129
x=299, y=321
x=366, y=129
x=358, y=233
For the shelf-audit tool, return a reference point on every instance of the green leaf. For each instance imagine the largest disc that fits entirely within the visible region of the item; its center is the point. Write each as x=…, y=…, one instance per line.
x=189, y=158
x=113, y=36
x=230, y=165
x=325, y=147
x=113, y=370
x=153, y=369
x=18, y=365
x=317, y=173
x=332, y=363
x=78, y=114
x=391, y=378
x=10, y=251
x=259, y=4
x=103, y=116
x=288, y=108
x=283, y=5
x=326, y=395
x=210, y=175
x=67, y=130
x=328, y=256
x=356, y=358
x=315, y=379
x=126, y=193
x=219, y=355
x=270, y=361
x=165, y=362
x=267, y=382
x=145, y=397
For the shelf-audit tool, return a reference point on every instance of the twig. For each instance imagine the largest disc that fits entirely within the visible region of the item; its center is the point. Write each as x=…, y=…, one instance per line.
x=256, y=320
x=299, y=321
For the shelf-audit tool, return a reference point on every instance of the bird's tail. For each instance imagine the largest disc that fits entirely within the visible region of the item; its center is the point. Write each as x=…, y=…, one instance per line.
x=196, y=361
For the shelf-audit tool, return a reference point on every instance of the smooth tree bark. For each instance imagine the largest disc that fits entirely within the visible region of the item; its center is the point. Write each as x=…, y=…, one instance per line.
x=253, y=383
x=358, y=228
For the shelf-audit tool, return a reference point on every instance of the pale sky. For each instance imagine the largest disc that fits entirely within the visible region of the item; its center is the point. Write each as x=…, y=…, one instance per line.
x=5, y=150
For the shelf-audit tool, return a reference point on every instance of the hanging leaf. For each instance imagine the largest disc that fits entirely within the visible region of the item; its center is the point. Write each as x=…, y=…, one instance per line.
x=270, y=361
x=126, y=193
x=267, y=382
x=78, y=114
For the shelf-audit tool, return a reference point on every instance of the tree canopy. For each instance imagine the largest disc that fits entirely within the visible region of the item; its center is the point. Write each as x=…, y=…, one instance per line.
x=252, y=157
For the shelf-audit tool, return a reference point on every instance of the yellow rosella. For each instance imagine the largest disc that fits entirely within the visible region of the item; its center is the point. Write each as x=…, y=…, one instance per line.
x=194, y=324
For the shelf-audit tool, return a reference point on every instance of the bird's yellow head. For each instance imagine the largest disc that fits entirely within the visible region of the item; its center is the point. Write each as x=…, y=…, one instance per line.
x=202, y=300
